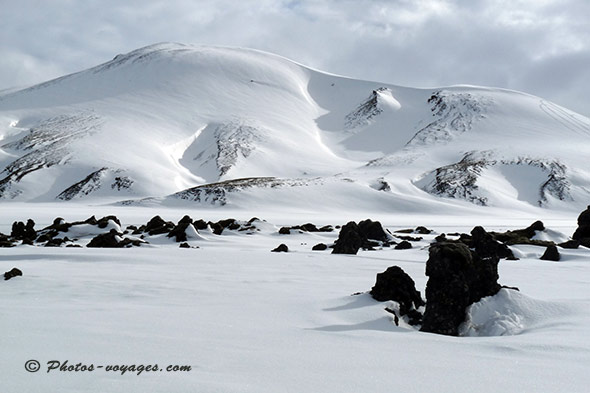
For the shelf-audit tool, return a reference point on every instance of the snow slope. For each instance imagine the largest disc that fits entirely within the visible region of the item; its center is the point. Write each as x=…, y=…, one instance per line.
x=172, y=117
x=248, y=320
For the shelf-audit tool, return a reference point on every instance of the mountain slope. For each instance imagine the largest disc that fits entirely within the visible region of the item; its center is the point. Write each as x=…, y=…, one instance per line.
x=173, y=117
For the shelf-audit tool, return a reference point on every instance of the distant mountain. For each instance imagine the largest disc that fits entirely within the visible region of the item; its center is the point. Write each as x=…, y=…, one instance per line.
x=227, y=126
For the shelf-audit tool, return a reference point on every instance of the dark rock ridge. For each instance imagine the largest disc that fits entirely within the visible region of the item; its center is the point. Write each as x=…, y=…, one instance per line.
x=458, y=277
x=366, y=234
x=396, y=285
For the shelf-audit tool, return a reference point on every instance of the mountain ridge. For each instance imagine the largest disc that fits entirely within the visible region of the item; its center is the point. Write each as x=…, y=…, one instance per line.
x=168, y=118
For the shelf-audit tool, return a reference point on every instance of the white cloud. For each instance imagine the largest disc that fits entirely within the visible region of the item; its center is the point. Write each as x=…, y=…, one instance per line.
x=541, y=47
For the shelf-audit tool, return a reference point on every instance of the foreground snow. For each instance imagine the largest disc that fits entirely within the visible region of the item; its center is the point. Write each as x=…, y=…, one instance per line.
x=247, y=320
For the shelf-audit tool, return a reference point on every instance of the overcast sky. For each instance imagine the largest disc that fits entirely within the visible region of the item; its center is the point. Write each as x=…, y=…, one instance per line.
x=537, y=46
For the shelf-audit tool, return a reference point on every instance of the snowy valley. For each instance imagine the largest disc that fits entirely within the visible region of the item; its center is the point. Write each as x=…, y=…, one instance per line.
x=141, y=200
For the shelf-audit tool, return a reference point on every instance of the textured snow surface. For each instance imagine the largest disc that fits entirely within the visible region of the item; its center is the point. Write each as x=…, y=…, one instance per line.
x=248, y=320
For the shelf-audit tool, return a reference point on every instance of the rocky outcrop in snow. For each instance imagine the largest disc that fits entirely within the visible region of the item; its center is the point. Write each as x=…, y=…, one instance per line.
x=462, y=180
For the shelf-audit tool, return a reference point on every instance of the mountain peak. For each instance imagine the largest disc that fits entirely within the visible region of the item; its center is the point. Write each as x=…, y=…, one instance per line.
x=169, y=117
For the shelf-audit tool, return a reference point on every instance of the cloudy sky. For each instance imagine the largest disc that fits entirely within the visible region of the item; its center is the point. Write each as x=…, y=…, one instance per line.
x=538, y=46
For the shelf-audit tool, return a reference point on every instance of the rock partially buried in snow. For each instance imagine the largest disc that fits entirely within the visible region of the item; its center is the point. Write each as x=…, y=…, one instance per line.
x=551, y=254
x=458, y=277
x=366, y=234
x=404, y=245
x=320, y=247
x=582, y=233
x=395, y=284
x=281, y=248
x=14, y=272
x=25, y=232
x=112, y=239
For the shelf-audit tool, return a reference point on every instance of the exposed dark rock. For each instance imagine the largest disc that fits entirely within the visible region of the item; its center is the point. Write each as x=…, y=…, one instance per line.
x=25, y=232
x=551, y=254
x=179, y=231
x=582, y=233
x=404, y=231
x=319, y=247
x=5, y=241
x=571, y=244
x=441, y=238
x=372, y=230
x=103, y=222
x=281, y=248
x=219, y=226
x=158, y=226
x=458, y=277
x=200, y=224
x=486, y=246
x=349, y=240
x=93, y=221
x=184, y=245
x=522, y=236
x=394, y=284
x=422, y=231
x=409, y=238
x=54, y=242
x=404, y=245
x=309, y=227
x=14, y=272
x=367, y=234
x=59, y=225
x=47, y=235
x=111, y=240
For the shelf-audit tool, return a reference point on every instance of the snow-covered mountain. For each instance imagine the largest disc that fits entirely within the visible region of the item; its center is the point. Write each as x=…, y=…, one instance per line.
x=227, y=126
